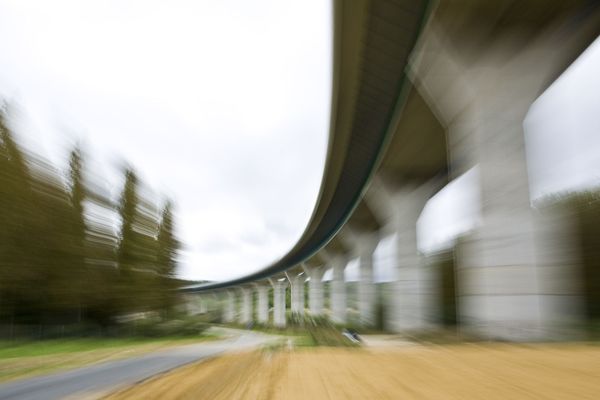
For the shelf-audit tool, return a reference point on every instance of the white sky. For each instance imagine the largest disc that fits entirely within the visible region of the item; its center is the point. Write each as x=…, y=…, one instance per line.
x=453, y=211
x=562, y=130
x=221, y=105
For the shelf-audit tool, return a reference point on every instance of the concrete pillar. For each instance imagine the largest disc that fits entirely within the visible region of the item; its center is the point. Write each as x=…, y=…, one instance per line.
x=407, y=313
x=315, y=290
x=213, y=303
x=263, y=304
x=482, y=95
x=338, y=290
x=202, y=304
x=438, y=300
x=498, y=293
x=229, y=314
x=366, y=288
x=246, y=306
x=398, y=210
x=187, y=304
x=279, y=305
x=297, y=292
x=363, y=245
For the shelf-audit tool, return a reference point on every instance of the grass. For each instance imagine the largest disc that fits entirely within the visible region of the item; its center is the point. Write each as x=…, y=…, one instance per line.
x=31, y=358
x=304, y=341
x=60, y=346
x=307, y=332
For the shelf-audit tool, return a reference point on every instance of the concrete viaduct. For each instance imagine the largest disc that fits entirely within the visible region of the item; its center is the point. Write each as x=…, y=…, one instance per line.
x=423, y=92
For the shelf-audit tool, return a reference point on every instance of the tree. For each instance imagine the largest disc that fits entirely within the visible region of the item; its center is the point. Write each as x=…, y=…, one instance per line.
x=125, y=290
x=168, y=247
x=16, y=205
x=77, y=195
x=37, y=243
x=77, y=191
x=138, y=248
x=59, y=264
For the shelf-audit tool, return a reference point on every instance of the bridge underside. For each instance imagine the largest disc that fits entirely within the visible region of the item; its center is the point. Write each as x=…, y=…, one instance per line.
x=423, y=93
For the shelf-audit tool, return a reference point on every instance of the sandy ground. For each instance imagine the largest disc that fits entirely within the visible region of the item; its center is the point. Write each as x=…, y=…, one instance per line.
x=466, y=371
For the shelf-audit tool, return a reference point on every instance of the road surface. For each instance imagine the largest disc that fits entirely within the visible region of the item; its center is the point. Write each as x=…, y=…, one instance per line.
x=100, y=379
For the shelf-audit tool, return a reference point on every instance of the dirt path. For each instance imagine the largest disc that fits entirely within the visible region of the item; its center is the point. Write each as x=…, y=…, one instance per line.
x=440, y=372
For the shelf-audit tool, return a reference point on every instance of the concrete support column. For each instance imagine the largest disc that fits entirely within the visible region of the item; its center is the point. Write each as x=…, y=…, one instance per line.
x=229, y=314
x=363, y=245
x=279, y=304
x=399, y=210
x=189, y=304
x=498, y=293
x=202, y=304
x=437, y=286
x=315, y=290
x=297, y=291
x=263, y=304
x=338, y=290
x=483, y=96
x=408, y=313
x=246, y=307
x=213, y=303
x=366, y=289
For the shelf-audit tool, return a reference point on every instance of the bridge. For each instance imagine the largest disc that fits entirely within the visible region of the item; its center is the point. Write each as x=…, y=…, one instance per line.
x=424, y=91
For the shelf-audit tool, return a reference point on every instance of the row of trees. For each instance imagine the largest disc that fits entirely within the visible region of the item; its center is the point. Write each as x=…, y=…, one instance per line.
x=70, y=254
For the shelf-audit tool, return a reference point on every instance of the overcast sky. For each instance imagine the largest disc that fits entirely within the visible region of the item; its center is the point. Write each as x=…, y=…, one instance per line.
x=221, y=105
x=224, y=107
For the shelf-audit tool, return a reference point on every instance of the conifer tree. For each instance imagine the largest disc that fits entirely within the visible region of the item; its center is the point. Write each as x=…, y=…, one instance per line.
x=80, y=273
x=168, y=247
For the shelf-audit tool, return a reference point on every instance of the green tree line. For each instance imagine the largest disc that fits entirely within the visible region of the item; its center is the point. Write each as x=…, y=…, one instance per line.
x=68, y=254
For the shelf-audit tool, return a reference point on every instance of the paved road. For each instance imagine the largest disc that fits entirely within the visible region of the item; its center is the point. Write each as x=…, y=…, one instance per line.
x=97, y=380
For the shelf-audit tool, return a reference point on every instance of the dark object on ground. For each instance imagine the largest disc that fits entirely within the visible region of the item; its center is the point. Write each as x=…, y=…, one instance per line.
x=352, y=335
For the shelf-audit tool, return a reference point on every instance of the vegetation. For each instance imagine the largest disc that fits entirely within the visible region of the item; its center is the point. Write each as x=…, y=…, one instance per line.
x=582, y=208
x=71, y=257
x=30, y=358
x=63, y=346
x=309, y=331
x=324, y=333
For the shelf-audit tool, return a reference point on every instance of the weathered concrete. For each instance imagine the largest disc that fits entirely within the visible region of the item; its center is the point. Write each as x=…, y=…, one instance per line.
x=229, y=314
x=262, y=305
x=279, y=303
x=315, y=289
x=482, y=95
x=409, y=312
x=366, y=288
x=338, y=289
x=246, y=306
x=297, y=292
x=363, y=246
x=398, y=209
